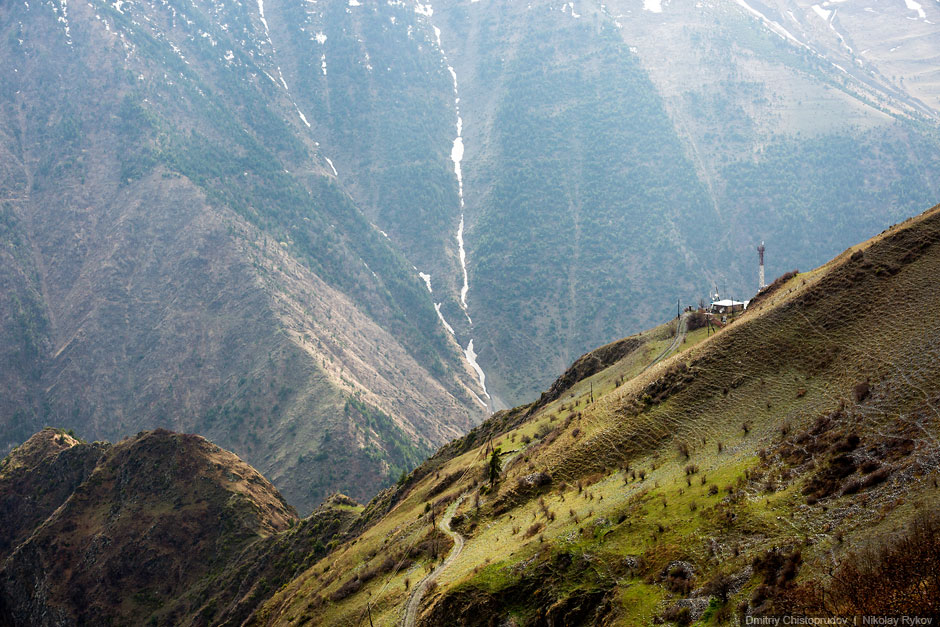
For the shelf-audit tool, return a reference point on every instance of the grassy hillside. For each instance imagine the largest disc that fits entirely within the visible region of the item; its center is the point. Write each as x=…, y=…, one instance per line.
x=732, y=478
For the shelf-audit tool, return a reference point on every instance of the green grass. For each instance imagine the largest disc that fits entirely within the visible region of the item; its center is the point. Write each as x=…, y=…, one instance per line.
x=640, y=601
x=731, y=398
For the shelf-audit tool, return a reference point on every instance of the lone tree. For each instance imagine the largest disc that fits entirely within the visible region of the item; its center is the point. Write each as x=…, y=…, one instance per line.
x=494, y=466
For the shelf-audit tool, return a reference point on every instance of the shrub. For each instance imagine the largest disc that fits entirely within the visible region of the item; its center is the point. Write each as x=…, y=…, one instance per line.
x=777, y=567
x=899, y=572
x=683, y=448
x=350, y=587
x=680, y=615
x=861, y=391
x=721, y=586
x=533, y=529
x=678, y=578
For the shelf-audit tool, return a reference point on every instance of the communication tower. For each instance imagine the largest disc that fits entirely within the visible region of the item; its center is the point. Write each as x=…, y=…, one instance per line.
x=760, y=255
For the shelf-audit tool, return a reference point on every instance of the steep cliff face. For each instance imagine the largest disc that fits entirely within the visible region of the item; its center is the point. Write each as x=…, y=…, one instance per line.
x=157, y=514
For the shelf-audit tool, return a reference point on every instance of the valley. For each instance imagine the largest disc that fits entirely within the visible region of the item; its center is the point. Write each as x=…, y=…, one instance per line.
x=333, y=236
x=783, y=463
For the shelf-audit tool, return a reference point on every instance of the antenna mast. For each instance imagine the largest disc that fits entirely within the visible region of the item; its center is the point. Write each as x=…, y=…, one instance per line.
x=760, y=254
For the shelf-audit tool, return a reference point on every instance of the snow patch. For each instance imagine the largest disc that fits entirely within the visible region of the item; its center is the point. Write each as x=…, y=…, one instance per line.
x=916, y=6
x=323, y=63
x=321, y=38
x=263, y=21
x=773, y=26
x=653, y=6
x=303, y=117
x=427, y=280
x=437, y=308
x=463, y=264
x=456, y=155
x=472, y=360
x=355, y=3
x=478, y=399
x=333, y=167
x=821, y=12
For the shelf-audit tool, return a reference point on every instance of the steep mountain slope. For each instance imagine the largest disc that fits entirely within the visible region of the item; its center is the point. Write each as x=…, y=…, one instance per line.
x=36, y=478
x=331, y=236
x=620, y=155
x=734, y=477
x=157, y=514
x=180, y=255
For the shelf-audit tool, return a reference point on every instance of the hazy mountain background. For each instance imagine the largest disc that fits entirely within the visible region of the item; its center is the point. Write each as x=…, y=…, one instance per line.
x=213, y=214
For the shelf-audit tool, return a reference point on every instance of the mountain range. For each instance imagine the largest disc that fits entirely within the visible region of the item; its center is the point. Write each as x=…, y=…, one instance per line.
x=711, y=470
x=332, y=236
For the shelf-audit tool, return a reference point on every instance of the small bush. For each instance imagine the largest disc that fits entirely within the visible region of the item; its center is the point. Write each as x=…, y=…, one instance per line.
x=721, y=586
x=678, y=577
x=861, y=391
x=679, y=615
x=350, y=587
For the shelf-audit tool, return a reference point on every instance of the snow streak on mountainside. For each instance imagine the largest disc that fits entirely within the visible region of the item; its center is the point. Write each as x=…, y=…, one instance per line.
x=456, y=155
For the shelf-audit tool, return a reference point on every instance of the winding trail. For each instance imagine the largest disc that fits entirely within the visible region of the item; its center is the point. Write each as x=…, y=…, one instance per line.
x=681, y=330
x=417, y=594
